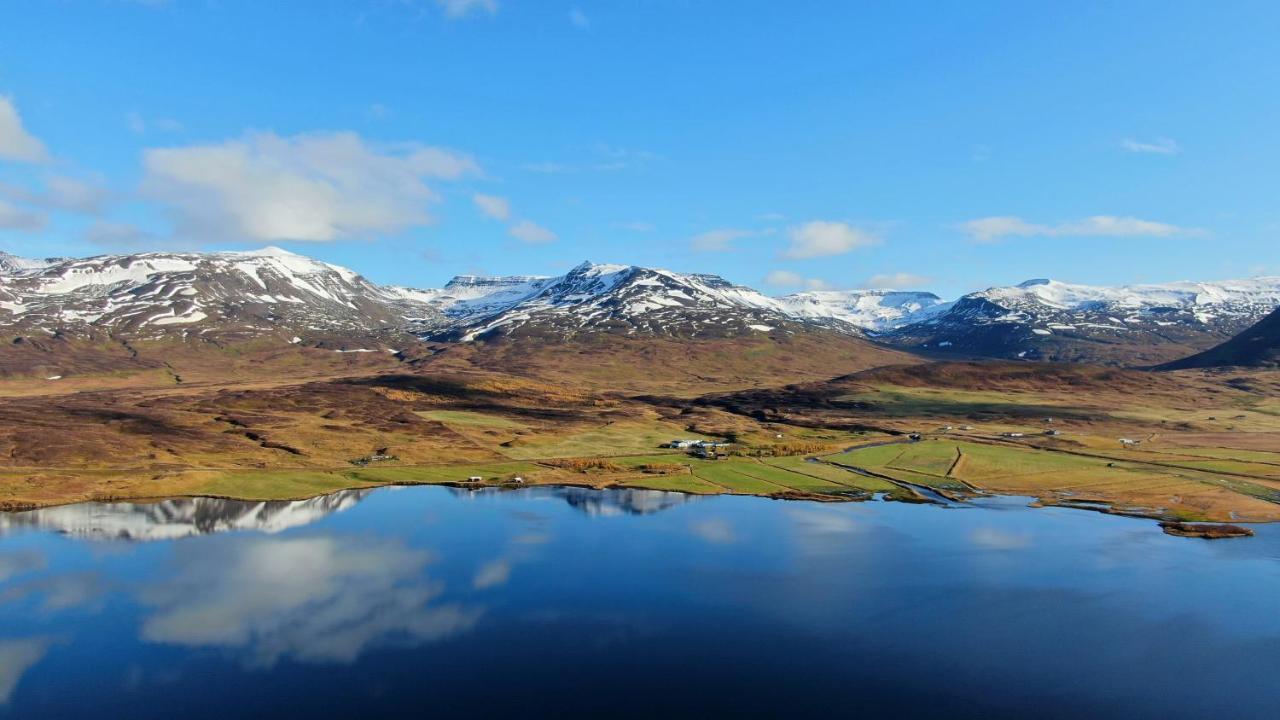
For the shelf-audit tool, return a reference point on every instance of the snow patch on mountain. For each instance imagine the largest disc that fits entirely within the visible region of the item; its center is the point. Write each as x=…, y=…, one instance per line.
x=1066, y=296
x=875, y=310
x=471, y=296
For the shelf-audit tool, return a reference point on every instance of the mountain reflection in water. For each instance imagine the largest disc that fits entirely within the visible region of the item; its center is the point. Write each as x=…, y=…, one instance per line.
x=179, y=517
x=563, y=601
x=182, y=517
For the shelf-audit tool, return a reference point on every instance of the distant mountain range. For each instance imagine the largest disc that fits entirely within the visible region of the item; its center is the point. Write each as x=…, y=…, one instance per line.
x=1257, y=346
x=272, y=292
x=1051, y=320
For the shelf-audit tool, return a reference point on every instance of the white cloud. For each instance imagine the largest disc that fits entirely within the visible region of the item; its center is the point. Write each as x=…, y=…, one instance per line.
x=493, y=206
x=15, y=142
x=316, y=186
x=994, y=229
x=719, y=240
x=61, y=192
x=823, y=238
x=16, y=218
x=140, y=125
x=530, y=232
x=463, y=8
x=614, y=158
x=1111, y=226
x=579, y=19
x=896, y=281
x=122, y=236
x=75, y=194
x=788, y=279
x=991, y=229
x=168, y=124
x=603, y=158
x=1159, y=146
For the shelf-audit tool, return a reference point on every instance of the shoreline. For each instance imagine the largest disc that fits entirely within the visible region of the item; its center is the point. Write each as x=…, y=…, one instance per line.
x=1194, y=529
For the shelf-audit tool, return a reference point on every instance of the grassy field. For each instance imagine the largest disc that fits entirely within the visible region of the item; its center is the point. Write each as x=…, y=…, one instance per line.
x=950, y=402
x=838, y=476
x=1131, y=486
x=615, y=438
x=1210, y=444
x=276, y=484
x=467, y=418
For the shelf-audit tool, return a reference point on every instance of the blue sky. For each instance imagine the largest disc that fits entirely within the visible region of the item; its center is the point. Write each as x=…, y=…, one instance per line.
x=948, y=146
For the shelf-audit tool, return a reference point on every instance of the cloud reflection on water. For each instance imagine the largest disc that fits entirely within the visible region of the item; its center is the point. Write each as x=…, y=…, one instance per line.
x=60, y=592
x=313, y=599
x=492, y=574
x=716, y=531
x=16, y=657
x=991, y=538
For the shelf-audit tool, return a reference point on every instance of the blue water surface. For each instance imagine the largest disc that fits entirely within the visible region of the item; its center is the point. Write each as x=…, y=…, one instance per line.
x=565, y=602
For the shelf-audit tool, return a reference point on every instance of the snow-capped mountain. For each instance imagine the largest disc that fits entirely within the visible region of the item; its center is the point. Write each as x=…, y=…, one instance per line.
x=274, y=292
x=467, y=297
x=179, y=517
x=871, y=310
x=1256, y=346
x=149, y=294
x=636, y=299
x=1047, y=319
x=609, y=298
x=11, y=264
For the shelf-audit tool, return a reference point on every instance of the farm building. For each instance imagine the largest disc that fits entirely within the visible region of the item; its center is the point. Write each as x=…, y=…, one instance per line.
x=711, y=450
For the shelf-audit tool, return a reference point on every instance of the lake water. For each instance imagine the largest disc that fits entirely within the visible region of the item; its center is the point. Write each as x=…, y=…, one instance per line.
x=434, y=602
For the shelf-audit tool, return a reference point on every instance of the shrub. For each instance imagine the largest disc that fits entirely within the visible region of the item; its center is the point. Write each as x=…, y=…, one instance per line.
x=585, y=464
x=661, y=468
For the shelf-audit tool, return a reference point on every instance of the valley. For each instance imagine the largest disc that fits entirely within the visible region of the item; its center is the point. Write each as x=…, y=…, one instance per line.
x=270, y=376
x=1205, y=444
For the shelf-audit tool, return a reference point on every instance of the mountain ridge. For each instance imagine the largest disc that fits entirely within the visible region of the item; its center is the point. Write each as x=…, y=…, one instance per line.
x=275, y=292
x=1257, y=346
x=1044, y=319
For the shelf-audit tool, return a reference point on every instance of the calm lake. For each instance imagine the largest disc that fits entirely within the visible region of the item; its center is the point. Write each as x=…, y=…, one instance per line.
x=435, y=602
